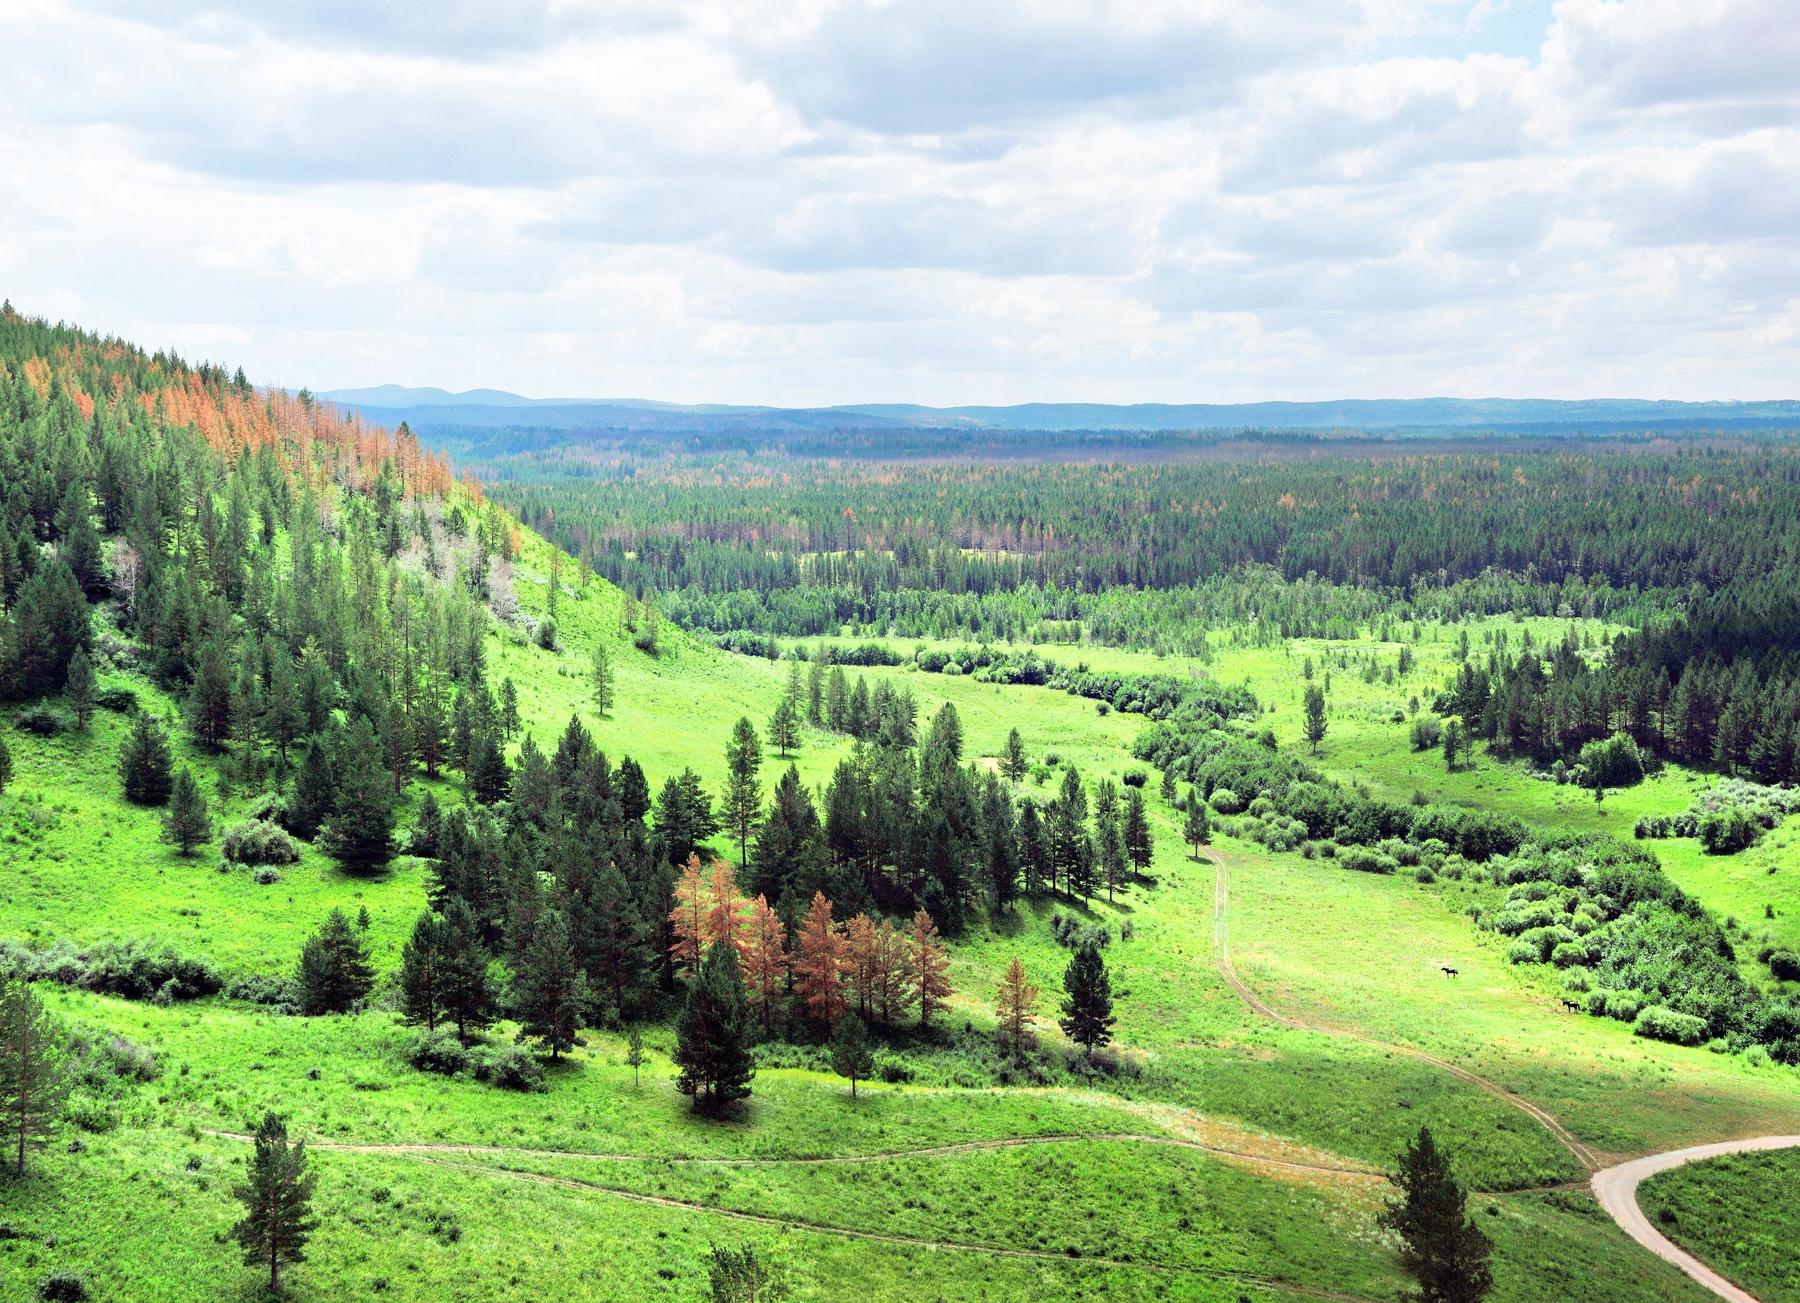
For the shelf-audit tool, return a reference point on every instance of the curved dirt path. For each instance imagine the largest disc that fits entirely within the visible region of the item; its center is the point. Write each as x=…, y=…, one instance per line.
x=1616, y=1189
x=1222, y=959
x=428, y=1153
x=427, y=1148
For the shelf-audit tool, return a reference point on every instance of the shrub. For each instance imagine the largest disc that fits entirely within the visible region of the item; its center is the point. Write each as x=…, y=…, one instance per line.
x=266, y=876
x=1569, y=954
x=63, y=1287
x=45, y=721
x=1427, y=733
x=439, y=1051
x=257, y=842
x=1661, y=1023
x=1226, y=801
x=1364, y=860
x=265, y=989
x=1135, y=778
x=510, y=1067
x=116, y=697
x=1725, y=832
x=1785, y=964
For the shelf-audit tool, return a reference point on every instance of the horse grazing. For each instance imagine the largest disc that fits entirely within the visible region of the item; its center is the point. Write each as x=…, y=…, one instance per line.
x=1571, y=1006
x=1449, y=972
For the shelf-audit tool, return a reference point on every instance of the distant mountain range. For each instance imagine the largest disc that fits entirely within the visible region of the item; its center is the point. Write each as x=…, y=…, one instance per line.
x=439, y=409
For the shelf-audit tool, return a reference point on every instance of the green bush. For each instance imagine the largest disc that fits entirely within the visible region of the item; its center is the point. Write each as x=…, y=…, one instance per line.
x=257, y=842
x=1661, y=1023
x=510, y=1067
x=1725, y=832
x=439, y=1051
x=1226, y=801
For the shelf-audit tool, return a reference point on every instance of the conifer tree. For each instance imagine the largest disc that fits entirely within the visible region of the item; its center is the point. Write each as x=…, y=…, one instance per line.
x=1015, y=1008
x=851, y=1054
x=784, y=727
x=724, y=921
x=187, y=823
x=687, y=917
x=423, y=974
x=634, y=1051
x=1196, y=828
x=1014, y=762
x=1034, y=851
x=1167, y=788
x=1440, y=1248
x=360, y=831
x=277, y=1197
x=927, y=966
x=815, y=692
x=1087, y=1004
x=1140, y=845
x=509, y=710
x=819, y=964
x=551, y=993
x=209, y=698
x=603, y=682
x=145, y=764
x=33, y=1078
x=743, y=800
x=712, y=1046
x=335, y=973
x=765, y=960
x=315, y=792
x=468, y=993
x=78, y=688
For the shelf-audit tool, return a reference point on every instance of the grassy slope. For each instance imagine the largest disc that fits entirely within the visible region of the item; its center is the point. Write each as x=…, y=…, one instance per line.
x=1730, y=1211
x=91, y=867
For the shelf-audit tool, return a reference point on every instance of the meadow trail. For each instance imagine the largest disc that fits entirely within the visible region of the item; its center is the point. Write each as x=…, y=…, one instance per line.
x=1222, y=959
x=1616, y=1189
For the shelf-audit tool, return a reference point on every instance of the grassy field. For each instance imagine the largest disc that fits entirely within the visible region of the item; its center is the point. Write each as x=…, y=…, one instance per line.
x=1738, y=1214
x=1213, y=1167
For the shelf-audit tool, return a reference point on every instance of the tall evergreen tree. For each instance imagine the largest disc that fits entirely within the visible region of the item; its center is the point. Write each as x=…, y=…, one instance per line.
x=1314, y=728
x=603, y=682
x=359, y=834
x=423, y=973
x=1140, y=845
x=335, y=973
x=551, y=993
x=1087, y=1003
x=851, y=1054
x=1014, y=762
x=468, y=993
x=78, y=688
x=743, y=799
x=712, y=1045
x=145, y=763
x=1444, y=1252
x=315, y=791
x=33, y=1077
x=784, y=727
x=277, y=1197
x=1196, y=828
x=187, y=823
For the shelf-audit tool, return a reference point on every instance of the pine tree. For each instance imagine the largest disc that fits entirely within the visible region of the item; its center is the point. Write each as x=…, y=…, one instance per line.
x=784, y=727
x=277, y=1198
x=1315, y=716
x=145, y=764
x=423, y=974
x=634, y=1051
x=712, y=1046
x=1167, y=788
x=78, y=688
x=819, y=964
x=468, y=993
x=687, y=918
x=509, y=710
x=815, y=692
x=1013, y=762
x=209, y=699
x=1034, y=850
x=851, y=1054
x=603, y=682
x=1453, y=744
x=743, y=801
x=1140, y=845
x=1015, y=1008
x=360, y=831
x=1087, y=1005
x=187, y=823
x=335, y=973
x=315, y=792
x=765, y=960
x=927, y=967
x=1196, y=828
x=551, y=993
x=33, y=1079
x=1440, y=1248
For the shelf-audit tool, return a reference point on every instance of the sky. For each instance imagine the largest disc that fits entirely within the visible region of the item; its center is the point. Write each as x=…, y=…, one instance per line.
x=936, y=201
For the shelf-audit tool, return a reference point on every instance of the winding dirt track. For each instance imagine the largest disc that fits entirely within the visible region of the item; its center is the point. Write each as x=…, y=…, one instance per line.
x=1222, y=958
x=1616, y=1189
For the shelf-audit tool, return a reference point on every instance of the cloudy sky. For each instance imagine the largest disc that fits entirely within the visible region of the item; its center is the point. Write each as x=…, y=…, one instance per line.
x=939, y=201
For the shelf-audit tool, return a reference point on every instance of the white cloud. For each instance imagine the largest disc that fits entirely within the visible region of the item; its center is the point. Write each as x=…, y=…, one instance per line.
x=833, y=201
